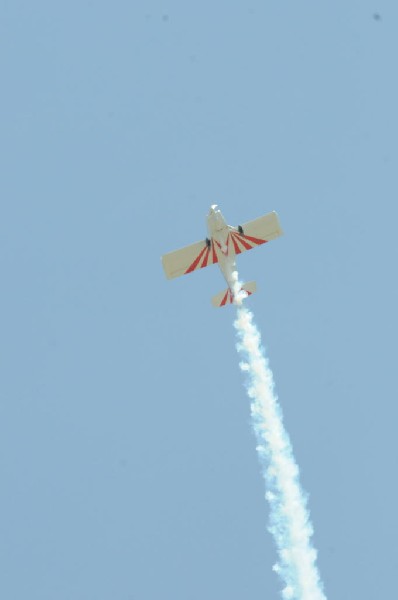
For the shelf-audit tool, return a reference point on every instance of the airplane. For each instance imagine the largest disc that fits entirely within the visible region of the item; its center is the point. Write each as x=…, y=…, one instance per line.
x=222, y=246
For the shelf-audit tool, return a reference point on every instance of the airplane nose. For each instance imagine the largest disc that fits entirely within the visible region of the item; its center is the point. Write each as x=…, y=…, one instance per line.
x=213, y=207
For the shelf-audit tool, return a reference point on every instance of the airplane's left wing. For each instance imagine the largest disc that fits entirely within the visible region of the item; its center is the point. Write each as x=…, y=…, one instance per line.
x=189, y=259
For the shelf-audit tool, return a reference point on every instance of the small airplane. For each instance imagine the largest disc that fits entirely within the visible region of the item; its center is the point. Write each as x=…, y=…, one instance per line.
x=222, y=246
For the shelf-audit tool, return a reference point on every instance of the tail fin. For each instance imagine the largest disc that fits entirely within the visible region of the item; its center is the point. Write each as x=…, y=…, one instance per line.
x=226, y=297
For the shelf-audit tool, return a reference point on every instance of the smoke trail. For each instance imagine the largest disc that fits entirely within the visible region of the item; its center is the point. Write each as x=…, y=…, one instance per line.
x=289, y=517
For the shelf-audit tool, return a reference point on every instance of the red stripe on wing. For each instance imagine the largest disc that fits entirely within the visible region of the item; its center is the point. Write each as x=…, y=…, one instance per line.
x=237, y=249
x=205, y=255
x=257, y=241
x=195, y=263
x=245, y=244
x=242, y=241
x=206, y=258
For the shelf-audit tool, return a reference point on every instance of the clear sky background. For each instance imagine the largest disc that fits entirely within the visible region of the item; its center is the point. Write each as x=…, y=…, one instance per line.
x=128, y=468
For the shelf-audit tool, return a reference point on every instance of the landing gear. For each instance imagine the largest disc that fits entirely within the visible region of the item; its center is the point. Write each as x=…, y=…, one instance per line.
x=208, y=242
x=240, y=229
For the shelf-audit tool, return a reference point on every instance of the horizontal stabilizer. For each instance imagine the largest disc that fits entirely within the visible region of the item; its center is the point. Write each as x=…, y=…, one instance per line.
x=227, y=297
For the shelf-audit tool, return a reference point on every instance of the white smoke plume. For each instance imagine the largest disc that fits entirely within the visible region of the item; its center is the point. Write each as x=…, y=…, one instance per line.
x=289, y=517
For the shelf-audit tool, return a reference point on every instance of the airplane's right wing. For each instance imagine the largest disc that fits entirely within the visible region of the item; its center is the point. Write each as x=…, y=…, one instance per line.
x=189, y=259
x=256, y=232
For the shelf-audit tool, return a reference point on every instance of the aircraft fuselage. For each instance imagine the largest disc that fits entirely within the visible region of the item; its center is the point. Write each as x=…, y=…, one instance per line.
x=219, y=234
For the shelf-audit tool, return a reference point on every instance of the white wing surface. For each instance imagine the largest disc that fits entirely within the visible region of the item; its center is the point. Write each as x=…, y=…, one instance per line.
x=189, y=259
x=257, y=232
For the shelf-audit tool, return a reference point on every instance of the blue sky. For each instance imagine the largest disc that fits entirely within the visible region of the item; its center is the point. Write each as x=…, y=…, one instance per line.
x=128, y=467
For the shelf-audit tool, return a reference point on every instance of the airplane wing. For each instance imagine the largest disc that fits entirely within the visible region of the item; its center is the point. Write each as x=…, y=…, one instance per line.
x=189, y=259
x=254, y=233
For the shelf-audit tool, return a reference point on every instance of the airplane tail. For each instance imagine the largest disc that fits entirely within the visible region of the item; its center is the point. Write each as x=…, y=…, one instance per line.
x=226, y=297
